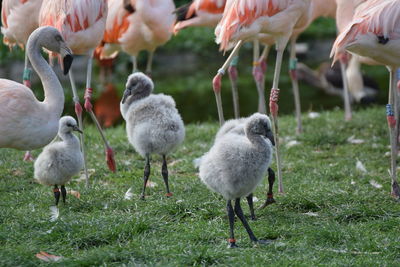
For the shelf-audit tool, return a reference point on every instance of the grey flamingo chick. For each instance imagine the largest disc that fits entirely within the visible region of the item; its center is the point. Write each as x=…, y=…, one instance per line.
x=59, y=161
x=236, y=164
x=236, y=126
x=153, y=124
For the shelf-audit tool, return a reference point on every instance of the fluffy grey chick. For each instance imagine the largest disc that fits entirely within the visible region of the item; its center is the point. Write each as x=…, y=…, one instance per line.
x=59, y=161
x=236, y=164
x=153, y=124
x=237, y=126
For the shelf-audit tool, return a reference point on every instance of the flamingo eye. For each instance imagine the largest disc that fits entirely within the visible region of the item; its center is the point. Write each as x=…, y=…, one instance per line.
x=382, y=39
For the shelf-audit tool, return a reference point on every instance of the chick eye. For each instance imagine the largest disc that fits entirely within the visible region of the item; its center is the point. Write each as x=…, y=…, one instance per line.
x=69, y=124
x=58, y=38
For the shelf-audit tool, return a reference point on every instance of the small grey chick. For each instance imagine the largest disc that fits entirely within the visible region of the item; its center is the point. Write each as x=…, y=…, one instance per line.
x=153, y=124
x=237, y=126
x=236, y=164
x=61, y=160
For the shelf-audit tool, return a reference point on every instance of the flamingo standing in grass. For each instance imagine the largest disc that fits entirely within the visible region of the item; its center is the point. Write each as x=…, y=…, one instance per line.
x=245, y=20
x=19, y=18
x=81, y=23
x=374, y=33
x=25, y=122
x=136, y=25
x=318, y=8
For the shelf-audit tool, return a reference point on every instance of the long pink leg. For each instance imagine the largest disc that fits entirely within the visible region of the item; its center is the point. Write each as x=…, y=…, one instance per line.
x=233, y=76
x=347, y=107
x=258, y=75
x=217, y=81
x=78, y=111
x=273, y=104
x=89, y=108
x=295, y=84
x=149, y=63
x=392, y=118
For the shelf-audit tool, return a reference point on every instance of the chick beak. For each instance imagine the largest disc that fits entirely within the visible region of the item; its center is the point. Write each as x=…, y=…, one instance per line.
x=270, y=136
x=127, y=93
x=76, y=128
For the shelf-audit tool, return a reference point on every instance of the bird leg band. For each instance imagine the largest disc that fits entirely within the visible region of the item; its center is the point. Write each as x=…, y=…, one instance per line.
x=293, y=68
x=273, y=101
x=88, y=98
x=78, y=108
x=56, y=194
x=390, y=116
x=232, y=240
x=26, y=77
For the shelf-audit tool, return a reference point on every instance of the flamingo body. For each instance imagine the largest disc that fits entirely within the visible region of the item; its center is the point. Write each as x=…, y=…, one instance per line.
x=16, y=101
x=81, y=29
x=200, y=13
x=149, y=26
x=374, y=33
x=19, y=20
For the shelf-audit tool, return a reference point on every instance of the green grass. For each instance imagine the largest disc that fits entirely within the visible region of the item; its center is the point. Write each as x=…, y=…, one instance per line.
x=323, y=219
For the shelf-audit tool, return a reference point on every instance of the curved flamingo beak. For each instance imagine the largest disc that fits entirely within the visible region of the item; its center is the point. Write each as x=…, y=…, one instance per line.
x=66, y=55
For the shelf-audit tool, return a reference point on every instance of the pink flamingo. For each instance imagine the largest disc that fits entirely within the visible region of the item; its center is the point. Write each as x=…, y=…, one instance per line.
x=245, y=20
x=374, y=33
x=317, y=9
x=136, y=25
x=81, y=23
x=19, y=18
x=25, y=122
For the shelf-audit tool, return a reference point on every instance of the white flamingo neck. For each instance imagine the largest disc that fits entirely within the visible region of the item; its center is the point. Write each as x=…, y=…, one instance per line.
x=53, y=92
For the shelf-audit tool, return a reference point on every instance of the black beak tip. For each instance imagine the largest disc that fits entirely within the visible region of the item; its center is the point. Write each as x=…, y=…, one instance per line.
x=67, y=62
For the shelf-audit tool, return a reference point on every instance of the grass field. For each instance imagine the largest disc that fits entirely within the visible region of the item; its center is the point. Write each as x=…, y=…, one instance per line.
x=331, y=213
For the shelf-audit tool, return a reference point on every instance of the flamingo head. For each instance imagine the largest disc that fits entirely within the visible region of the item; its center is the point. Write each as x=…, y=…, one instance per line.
x=51, y=39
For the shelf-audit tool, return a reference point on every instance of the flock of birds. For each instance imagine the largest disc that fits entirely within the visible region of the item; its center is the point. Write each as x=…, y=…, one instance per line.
x=243, y=147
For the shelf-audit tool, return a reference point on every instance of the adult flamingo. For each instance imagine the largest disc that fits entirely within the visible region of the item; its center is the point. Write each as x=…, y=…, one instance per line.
x=81, y=22
x=25, y=122
x=318, y=8
x=136, y=25
x=244, y=20
x=19, y=18
x=375, y=33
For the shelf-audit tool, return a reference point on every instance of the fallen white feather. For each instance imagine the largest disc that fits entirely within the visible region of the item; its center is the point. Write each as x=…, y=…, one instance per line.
x=151, y=184
x=313, y=214
x=82, y=176
x=313, y=115
x=360, y=166
x=352, y=182
x=292, y=143
x=128, y=194
x=54, y=213
x=255, y=199
x=375, y=184
x=353, y=140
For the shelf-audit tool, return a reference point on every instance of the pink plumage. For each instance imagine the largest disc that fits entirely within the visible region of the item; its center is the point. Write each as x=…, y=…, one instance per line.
x=80, y=22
